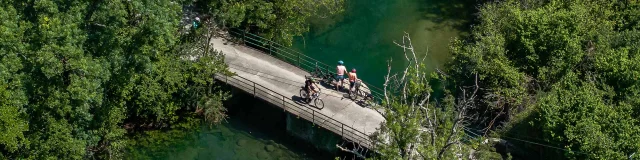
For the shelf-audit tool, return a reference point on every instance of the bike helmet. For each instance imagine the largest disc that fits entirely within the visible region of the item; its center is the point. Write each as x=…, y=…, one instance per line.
x=340, y=62
x=312, y=79
x=353, y=70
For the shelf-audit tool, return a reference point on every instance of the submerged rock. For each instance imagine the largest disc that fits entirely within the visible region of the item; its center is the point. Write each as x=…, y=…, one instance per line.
x=269, y=148
x=227, y=134
x=241, y=142
x=217, y=135
x=282, y=146
x=240, y=152
x=278, y=155
x=246, y=157
x=286, y=158
x=262, y=155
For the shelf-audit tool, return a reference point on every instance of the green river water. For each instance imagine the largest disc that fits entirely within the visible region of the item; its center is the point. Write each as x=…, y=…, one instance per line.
x=362, y=37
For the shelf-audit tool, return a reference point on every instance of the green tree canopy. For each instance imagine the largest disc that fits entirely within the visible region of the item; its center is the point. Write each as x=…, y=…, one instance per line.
x=566, y=72
x=73, y=73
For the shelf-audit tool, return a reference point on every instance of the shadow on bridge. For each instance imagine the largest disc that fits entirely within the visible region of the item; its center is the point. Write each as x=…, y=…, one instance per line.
x=300, y=101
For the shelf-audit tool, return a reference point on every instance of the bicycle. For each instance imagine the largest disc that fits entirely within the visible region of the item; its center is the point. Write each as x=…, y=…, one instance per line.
x=326, y=77
x=353, y=94
x=317, y=72
x=367, y=100
x=317, y=101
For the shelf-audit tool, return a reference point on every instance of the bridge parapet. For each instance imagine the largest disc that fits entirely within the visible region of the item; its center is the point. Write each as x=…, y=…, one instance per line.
x=295, y=108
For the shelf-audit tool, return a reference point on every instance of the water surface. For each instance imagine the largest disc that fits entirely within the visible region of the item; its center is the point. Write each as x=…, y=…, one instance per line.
x=363, y=36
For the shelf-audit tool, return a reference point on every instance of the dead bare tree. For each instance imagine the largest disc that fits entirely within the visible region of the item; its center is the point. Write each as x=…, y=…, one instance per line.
x=416, y=128
x=409, y=90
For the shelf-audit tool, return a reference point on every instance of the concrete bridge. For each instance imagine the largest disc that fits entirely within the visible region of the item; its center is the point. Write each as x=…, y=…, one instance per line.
x=275, y=74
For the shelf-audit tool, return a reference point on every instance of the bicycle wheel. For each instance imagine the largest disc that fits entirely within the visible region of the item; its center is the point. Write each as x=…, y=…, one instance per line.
x=362, y=94
x=316, y=74
x=304, y=95
x=353, y=94
x=319, y=103
x=327, y=79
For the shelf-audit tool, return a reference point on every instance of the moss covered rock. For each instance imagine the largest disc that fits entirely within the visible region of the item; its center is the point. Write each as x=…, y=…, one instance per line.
x=241, y=142
x=263, y=155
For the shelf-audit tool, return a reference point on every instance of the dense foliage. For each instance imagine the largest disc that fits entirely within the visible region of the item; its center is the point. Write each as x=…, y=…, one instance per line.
x=561, y=73
x=74, y=73
x=278, y=20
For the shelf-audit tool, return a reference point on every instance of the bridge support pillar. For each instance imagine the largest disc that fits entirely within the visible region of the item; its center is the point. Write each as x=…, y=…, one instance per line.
x=313, y=134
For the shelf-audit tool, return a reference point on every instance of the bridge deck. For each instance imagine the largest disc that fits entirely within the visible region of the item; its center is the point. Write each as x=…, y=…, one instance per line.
x=279, y=83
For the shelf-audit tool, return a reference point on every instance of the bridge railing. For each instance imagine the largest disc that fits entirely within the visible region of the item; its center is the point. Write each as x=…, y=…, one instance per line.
x=294, y=57
x=288, y=104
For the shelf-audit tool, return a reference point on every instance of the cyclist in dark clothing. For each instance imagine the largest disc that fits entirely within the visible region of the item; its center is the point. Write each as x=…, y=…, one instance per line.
x=311, y=86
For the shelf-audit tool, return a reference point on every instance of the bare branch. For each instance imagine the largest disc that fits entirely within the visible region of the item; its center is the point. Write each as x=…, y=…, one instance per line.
x=412, y=50
x=419, y=112
x=441, y=72
x=352, y=151
x=386, y=80
x=404, y=48
x=425, y=54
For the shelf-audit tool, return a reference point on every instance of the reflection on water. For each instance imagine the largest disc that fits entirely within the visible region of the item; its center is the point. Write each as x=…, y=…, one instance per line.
x=363, y=37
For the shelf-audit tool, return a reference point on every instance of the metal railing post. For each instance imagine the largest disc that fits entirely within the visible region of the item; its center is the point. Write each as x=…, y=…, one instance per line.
x=298, y=53
x=283, y=104
x=342, y=130
x=270, y=46
x=254, y=89
x=244, y=36
x=313, y=116
x=327, y=68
